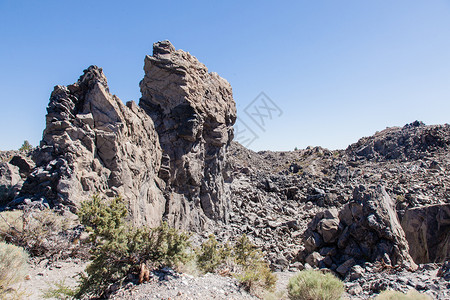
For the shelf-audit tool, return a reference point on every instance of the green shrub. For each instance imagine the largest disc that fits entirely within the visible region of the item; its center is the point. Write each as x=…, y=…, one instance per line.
x=394, y=295
x=246, y=262
x=26, y=146
x=212, y=255
x=314, y=285
x=119, y=248
x=13, y=267
x=246, y=252
x=257, y=278
x=256, y=275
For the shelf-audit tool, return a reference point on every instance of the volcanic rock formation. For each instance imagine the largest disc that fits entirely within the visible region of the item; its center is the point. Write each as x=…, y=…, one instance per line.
x=427, y=230
x=193, y=112
x=366, y=229
x=93, y=143
x=173, y=171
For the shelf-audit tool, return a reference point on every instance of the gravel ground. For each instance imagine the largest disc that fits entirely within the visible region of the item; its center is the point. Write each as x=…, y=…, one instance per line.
x=43, y=274
x=165, y=284
x=183, y=286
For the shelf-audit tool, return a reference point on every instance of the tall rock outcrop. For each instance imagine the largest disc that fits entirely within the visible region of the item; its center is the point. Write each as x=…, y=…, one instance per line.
x=166, y=158
x=93, y=143
x=193, y=112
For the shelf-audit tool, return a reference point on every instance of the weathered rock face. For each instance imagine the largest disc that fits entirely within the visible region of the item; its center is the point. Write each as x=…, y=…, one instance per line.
x=10, y=182
x=93, y=143
x=193, y=112
x=427, y=230
x=366, y=229
x=15, y=166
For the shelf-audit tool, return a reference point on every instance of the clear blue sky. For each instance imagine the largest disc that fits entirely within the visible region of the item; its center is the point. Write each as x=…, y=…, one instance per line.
x=339, y=70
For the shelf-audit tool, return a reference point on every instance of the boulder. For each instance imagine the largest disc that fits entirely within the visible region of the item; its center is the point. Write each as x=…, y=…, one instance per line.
x=366, y=229
x=346, y=266
x=10, y=182
x=329, y=229
x=314, y=259
x=381, y=225
x=24, y=163
x=427, y=230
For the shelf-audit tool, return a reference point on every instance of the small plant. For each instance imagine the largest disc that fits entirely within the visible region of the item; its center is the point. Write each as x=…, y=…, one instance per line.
x=244, y=259
x=314, y=285
x=13, y=267
x=212, y=254
x=257, y=278
x=26, y=146
x=245, y=251
x=394, y=295
x=59, y=290
x=119, y=248
x=255, y=274
x=10, y=221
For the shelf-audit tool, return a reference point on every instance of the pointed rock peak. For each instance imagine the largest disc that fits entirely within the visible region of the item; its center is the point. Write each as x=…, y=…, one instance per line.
x=92, y=75
x=163, y=47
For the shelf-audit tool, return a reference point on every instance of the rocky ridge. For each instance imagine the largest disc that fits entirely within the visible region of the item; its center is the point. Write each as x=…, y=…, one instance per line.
x=276, y=194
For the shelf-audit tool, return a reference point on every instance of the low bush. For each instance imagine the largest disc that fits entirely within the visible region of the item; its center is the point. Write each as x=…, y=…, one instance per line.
x=244, y=260
x=119, y=248
x=11, y=221
x=394, y=295
x=40, y=233
x=212, y=255
x=256, y=275
x=13, y=267
x=315, y=285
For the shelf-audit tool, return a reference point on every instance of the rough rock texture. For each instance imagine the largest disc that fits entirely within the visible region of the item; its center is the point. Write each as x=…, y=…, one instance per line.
x=94, y=143
x=276, y=194
x=15, y=166
x=171, y=158
x=167, y=159
x=427, y=230
x=412, y=141
x=365, y=282
x=366, y=229
x=10, y=182
x=193, y=112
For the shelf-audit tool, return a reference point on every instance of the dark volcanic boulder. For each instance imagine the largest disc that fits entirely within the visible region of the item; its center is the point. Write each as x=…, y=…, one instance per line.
x=10, y=182
x=366, y=229
x=427, y=230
